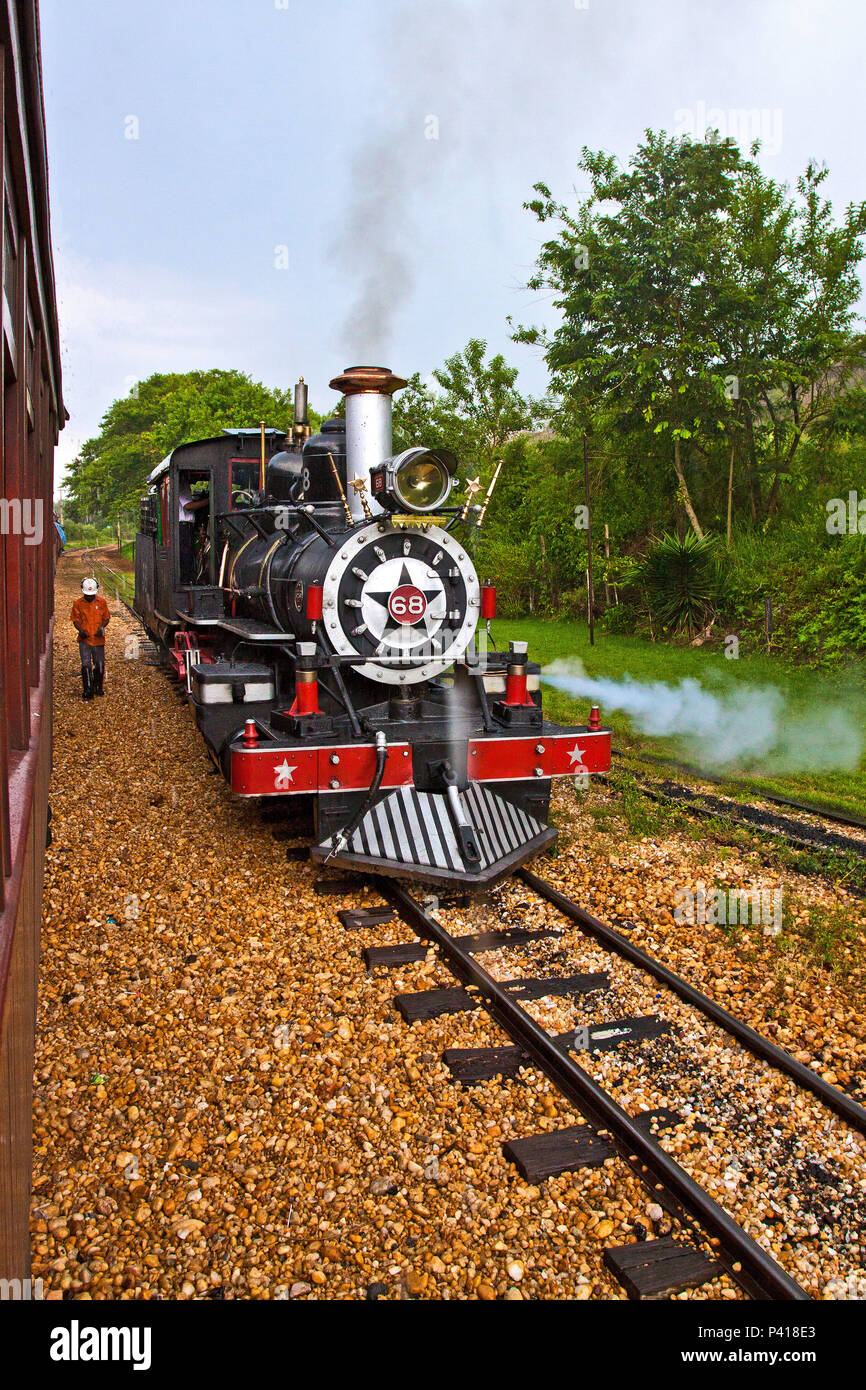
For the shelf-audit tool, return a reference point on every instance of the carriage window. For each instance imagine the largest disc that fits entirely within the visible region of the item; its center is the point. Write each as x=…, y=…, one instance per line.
x=10, y=278
x=244, y=485
x=30, y=368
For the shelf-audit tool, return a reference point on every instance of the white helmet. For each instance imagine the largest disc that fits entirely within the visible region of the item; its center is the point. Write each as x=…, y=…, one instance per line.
x=89, y=586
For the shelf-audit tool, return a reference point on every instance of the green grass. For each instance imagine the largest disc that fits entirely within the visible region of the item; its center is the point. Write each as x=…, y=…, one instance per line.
x=808, y=692
x=118, y=583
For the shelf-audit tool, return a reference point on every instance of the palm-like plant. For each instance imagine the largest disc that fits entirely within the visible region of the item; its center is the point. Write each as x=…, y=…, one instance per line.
x=681, y=580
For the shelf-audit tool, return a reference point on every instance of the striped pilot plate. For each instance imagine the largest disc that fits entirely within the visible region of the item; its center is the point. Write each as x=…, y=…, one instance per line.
x=414, y=828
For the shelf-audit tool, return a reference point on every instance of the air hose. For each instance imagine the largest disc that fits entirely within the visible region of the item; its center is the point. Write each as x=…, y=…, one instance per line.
x=342, y=839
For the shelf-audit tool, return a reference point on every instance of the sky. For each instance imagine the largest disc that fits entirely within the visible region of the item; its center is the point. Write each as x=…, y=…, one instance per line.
x=288, y=187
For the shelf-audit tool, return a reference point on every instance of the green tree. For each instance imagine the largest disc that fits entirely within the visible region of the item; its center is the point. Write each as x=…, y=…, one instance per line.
x=160, y=413
x=815, y=350
x=701, y=307
x=480, y=405
x=419, y=418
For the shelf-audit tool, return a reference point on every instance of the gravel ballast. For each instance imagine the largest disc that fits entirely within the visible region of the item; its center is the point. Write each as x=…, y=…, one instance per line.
x=229, y=1106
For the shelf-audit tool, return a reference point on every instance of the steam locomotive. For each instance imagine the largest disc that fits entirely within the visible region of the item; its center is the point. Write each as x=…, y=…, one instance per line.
x=317, y=598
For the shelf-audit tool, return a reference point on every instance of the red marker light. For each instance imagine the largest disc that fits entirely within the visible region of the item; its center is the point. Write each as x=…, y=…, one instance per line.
x=315, y=593
x=488, y=601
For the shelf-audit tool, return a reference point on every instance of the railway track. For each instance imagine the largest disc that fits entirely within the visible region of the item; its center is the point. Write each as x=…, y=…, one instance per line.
x=797, y=833
x=121, y=583
x=808, y=808
x=715, y=1241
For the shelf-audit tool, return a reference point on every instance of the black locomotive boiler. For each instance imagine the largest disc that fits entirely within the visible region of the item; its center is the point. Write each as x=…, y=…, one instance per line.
x=320, y=604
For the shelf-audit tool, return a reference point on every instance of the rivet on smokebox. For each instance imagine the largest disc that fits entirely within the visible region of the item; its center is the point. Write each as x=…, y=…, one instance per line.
x=594, y=718
x=251, y=735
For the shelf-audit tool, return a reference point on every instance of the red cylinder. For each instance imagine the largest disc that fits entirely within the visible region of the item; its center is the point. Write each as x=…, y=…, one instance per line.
x=594, y=718
x=488, y=601
x=315, y=593
x=306, y=693
x=515, y=686
x=251, y=734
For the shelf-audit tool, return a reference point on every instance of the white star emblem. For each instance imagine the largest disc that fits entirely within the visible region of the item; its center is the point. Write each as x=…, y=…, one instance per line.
x=284, y=774
x=576, y=755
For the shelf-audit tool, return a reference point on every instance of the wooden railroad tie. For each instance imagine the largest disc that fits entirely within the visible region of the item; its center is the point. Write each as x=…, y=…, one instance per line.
x=656, y=1268
x=394, y=955
x=432, y=1003
x=471, y=1064
x=349, y=883
x=507, y=936
x=541, y=1156
x=415, y=951
x=601, y=1037
x=356, y=918
x=567, y=984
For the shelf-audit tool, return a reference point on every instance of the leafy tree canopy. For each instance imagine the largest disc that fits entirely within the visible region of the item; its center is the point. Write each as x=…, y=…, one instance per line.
x=702, y=308
x=477, y=409
x=160, y=413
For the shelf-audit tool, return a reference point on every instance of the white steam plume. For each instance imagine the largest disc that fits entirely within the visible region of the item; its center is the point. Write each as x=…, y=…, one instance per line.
x=502, y=76
x=519, y=88
x=743, y=724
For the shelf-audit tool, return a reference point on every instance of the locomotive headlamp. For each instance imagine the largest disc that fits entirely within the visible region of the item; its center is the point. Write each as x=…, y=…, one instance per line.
x=422, y=483
x=418, y=480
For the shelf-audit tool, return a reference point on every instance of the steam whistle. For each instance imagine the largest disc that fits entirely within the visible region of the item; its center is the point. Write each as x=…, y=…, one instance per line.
x=301, y=420
x=359, y=487
x=472, y=486
x=338, y=480
x=483, y=512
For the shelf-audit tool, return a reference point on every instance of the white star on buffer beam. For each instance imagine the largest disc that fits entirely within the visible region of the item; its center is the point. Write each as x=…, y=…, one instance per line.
x=284, y=773
x=576, y=755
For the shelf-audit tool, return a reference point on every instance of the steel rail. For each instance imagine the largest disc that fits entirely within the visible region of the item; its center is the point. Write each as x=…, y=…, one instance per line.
x=694, y=808
x=809, y=807
x=848, y=1109
x=745, y=1260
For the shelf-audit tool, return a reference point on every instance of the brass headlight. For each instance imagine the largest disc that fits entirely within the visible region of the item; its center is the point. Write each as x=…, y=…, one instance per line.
x=418, y=480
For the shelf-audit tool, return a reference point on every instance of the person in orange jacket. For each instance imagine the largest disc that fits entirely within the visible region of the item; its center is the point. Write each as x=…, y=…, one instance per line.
x=90, y=617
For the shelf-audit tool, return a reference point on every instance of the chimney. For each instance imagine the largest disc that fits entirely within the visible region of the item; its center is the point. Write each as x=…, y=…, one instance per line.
x=368, y=392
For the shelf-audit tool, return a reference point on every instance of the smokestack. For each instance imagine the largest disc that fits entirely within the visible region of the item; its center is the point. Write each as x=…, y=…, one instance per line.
x=368, y=392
